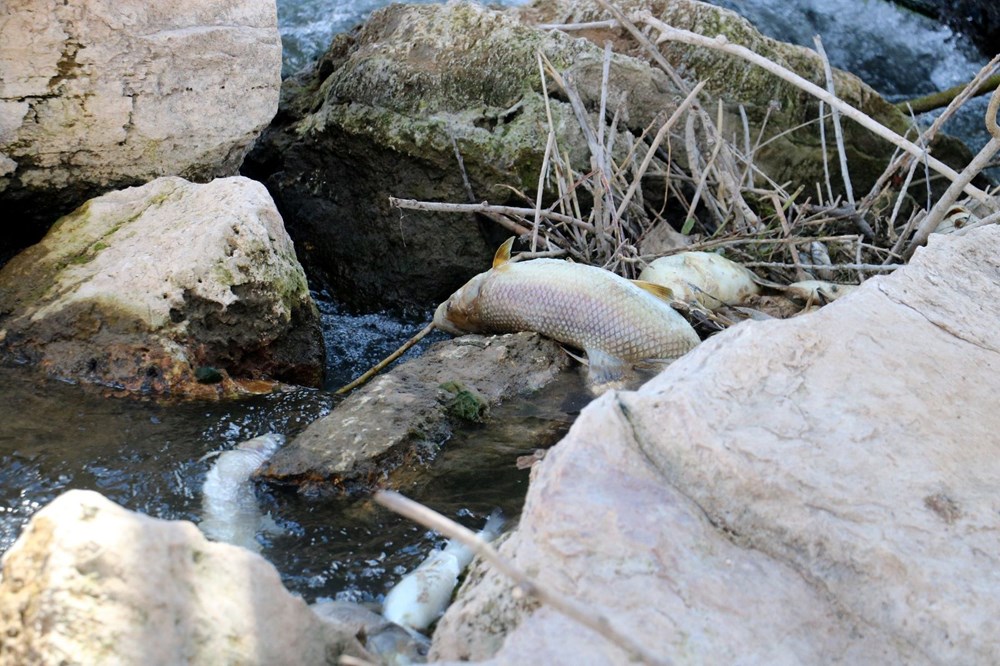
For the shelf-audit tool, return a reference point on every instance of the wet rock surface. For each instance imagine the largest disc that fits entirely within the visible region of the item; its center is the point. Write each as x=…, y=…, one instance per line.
x=89, y=582
x=170, y=287
x=814, y=490
x=101, y=95
x=408, y=413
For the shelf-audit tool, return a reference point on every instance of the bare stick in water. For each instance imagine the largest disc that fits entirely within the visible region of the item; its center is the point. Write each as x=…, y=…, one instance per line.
x=569, y=607
x=387, y=360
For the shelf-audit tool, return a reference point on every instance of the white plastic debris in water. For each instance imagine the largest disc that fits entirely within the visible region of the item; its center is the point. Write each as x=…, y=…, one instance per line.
x=422, y=595
x=229, y=505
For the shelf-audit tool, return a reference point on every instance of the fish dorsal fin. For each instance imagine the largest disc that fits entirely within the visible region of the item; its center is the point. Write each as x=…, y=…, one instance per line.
x=503, y=254
x=658, y=290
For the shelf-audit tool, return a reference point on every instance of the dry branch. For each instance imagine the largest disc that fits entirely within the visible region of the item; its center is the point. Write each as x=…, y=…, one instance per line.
x=721, y=43
x=944, y=97
x=571, y=608
x=978, y=163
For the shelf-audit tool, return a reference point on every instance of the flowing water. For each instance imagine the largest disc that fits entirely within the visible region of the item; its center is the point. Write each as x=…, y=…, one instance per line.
x=899, y=53
x=146, y=456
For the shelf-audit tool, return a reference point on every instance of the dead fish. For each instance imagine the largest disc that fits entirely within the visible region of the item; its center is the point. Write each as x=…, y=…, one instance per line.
x=229, y=505
x=391, y=643
x=958, y=217
x=703, y=277
x=615, y=321
x=818, y=291
x=422, y=595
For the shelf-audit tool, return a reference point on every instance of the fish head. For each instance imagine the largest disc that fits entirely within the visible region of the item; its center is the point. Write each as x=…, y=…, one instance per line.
x=460, y=313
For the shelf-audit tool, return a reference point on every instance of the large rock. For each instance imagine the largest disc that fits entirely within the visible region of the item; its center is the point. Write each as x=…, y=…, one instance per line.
x=782, y=115
x=142, y=287
x=384, y=111
x=814, y=490
x=99, y=95
x=88, y=582
x=404, y=415
x=382, y=114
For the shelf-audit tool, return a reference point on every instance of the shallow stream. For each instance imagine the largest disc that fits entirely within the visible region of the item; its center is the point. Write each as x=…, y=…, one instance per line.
x=147, y=457
x=57, y=436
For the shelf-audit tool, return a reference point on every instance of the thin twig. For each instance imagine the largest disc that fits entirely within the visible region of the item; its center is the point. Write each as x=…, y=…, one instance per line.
x=974, y=168
x=413, y=204
x=721, y=43
x=837, y=131
x=938, y=99
x=386, y=361
x=846, y=267
x=657, y=140
x=585, y=615
x=569, y=27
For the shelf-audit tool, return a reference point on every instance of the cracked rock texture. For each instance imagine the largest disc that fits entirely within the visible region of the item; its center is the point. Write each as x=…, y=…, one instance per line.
x=100, y=94
x=89, y=582
x=813, y=490
x=139, y=288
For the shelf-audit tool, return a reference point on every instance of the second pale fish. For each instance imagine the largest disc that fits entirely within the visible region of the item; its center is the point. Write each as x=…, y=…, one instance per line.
x=703, y=277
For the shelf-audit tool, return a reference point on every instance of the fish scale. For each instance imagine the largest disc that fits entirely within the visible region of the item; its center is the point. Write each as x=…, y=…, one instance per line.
x=587, y=307
x=584, y=306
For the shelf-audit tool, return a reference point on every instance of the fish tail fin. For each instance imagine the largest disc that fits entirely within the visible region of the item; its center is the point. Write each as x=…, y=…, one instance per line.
x=490, y=531
x=603, y=368
x=495, y=522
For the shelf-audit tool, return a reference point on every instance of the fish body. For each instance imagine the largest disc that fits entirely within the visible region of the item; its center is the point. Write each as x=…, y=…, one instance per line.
x=229, y=504
x=613, y=320
x=422, y=595
x=703, y=277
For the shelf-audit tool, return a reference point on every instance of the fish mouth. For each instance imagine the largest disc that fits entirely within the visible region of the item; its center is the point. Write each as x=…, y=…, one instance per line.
x=441, y=321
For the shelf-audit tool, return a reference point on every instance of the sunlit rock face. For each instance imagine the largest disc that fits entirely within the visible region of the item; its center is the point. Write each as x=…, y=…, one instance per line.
x=98, y=95
x=145, y=289
x=89, y=582
x=813, y=490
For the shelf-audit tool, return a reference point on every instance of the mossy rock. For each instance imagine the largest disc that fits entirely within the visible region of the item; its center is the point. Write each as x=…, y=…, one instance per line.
x=464, y=403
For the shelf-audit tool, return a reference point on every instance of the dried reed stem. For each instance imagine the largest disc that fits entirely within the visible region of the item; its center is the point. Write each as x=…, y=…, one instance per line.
x=978, y=163
x=571, y=608
x=721, y=43
x=378, y=367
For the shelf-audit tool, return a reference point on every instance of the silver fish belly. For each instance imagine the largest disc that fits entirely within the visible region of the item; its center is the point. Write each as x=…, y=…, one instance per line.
x=422, y=595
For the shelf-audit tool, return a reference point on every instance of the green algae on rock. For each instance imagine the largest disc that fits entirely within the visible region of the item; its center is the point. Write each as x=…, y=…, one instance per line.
x=138, y=288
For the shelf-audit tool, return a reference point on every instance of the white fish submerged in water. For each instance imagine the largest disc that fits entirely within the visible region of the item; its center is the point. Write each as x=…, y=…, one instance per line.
x=229, y=505
x=423, y=594
x=615, y=321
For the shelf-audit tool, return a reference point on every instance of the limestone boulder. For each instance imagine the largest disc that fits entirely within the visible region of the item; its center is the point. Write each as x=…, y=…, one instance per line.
x=390, y=110
x=152, y=288
x=99, y=95
x=89, y=582
x=388, y=427
x=445, y=102
x=812, y=490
